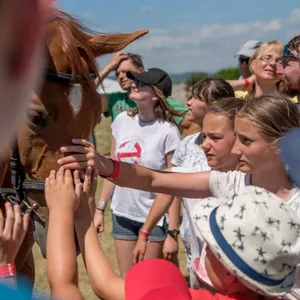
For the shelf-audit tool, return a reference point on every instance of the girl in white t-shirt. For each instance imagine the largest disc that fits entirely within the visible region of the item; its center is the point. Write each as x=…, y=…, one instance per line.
x=146, y=136
x=190, y=157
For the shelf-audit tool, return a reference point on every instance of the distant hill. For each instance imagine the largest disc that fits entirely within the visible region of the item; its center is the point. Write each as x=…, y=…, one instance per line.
x=176, y=78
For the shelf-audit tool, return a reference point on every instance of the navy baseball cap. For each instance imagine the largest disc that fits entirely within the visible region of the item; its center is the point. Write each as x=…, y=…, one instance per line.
x=290, y=154
x=154, y=76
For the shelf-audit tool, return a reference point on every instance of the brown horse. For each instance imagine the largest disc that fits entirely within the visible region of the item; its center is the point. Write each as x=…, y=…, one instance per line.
x=66, y=106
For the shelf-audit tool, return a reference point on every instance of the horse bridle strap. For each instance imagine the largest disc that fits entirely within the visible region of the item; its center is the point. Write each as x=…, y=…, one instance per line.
x=20, y=186
x=68, y=78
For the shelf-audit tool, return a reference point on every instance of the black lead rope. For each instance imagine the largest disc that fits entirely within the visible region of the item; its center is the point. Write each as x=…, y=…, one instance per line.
x=17, y=176
x=68, y=78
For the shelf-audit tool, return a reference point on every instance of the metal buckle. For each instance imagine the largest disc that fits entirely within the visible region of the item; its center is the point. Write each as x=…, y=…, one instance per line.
x=29, y=209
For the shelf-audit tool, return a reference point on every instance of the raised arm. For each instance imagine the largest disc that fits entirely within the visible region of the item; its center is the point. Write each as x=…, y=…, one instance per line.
x=111, y=66
x=103, y=280
x=61, y=254
x=83, y=154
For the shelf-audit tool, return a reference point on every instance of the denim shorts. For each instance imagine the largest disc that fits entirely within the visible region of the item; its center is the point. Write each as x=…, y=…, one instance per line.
x=126, y=229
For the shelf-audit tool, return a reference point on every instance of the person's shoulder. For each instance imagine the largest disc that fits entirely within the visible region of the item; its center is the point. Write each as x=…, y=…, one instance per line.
x=167, y=125
x=121, y=116
x=230, y=178
x=191, y=139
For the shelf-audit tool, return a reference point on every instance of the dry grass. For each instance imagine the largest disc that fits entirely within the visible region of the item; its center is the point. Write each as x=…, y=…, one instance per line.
x=103, y=137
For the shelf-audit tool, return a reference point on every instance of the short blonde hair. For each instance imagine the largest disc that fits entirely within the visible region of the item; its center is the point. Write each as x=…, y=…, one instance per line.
x=273, y=45
x=272, y=115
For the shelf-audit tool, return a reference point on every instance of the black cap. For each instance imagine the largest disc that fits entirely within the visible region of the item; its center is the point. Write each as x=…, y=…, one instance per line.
x=156, y=77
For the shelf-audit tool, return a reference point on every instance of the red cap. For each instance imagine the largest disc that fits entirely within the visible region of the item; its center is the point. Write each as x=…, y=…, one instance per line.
x=156, y=279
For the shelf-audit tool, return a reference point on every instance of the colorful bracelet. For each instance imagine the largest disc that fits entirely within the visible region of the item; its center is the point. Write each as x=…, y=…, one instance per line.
x=116, y=171
x=246, y=81
x=8, y=270
x=144, y=233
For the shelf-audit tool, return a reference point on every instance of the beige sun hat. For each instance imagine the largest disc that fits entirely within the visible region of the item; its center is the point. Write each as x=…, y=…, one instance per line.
x=255, y=235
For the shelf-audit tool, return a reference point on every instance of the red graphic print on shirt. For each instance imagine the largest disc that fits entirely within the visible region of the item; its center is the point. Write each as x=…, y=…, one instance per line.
x=129, y=149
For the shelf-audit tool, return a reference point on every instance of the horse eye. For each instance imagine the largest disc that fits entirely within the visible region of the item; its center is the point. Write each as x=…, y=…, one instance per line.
x=38, y=118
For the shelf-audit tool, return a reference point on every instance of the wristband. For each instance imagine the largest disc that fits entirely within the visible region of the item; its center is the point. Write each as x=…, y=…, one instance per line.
x=116, y=171
x=100, y=208
x=246, y=81
x=8, y=270
x=144, y=233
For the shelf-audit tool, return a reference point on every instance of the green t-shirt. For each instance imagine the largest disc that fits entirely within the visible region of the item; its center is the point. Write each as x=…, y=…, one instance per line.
x=119, y=101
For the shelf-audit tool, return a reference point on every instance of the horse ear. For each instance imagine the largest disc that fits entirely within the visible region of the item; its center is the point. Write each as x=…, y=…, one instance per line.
x=109, y=43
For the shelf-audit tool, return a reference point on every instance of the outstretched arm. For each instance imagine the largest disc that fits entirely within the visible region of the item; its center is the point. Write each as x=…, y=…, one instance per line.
x=190, y=185
x=240, y=84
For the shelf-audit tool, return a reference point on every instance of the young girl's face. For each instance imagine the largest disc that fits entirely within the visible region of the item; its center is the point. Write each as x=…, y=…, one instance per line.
x=218, y=140
x=254, y=152
x=197, y=110
x=222, y=280
x=142, y=93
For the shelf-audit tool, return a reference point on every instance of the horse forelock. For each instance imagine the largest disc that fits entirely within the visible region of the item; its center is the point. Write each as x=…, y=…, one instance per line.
x=74, y=38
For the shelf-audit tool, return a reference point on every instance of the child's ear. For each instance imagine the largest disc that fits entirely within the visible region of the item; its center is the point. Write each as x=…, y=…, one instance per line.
x=277, y=149
x=155, y=98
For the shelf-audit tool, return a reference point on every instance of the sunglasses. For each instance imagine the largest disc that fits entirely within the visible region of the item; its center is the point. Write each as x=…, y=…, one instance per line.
x=288, y=55
x=244, y=60
x=139, y=84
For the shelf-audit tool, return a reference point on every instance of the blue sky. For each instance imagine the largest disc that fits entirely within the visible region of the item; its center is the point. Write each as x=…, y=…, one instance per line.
x=190, y=35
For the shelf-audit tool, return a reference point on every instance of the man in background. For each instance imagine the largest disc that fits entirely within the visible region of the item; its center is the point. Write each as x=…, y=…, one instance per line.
x=289, y=67
x=244, y=54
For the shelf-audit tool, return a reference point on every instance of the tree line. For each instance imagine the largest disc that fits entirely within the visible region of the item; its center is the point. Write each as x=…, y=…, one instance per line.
x=228, y=74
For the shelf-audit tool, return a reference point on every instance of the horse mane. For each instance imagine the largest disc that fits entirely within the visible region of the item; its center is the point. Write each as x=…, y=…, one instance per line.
x=75, y=43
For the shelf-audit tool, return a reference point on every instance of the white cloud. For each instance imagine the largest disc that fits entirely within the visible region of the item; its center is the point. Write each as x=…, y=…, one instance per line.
x=295, y=15
x=186, y=37
x=146, y=8
x=210, y=47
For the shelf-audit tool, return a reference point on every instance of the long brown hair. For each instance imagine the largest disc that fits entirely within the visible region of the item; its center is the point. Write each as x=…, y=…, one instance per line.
x=211, y=90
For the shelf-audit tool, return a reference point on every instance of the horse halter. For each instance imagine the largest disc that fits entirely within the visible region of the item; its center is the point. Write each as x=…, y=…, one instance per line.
x=68, y=78
x=20, y=185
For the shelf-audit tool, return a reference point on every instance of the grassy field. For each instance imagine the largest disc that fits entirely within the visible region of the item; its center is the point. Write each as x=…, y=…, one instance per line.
x=103, y=136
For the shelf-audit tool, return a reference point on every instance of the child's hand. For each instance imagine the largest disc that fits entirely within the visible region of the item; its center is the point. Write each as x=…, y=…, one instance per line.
x=60, y=192
x=12, y=232
x=81, y=155
x=86, y=192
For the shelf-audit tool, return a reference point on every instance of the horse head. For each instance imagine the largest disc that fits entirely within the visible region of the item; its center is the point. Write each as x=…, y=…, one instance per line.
x=67, y=105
